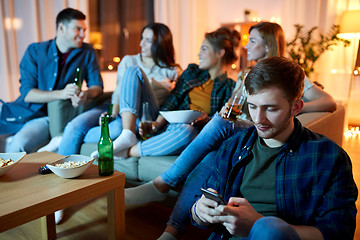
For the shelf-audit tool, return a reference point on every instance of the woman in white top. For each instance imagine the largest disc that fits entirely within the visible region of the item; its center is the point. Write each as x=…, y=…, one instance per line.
x=153, y=70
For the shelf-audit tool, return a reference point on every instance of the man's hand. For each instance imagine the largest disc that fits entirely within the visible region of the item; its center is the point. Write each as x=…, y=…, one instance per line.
x=69, y=91
x=238, y=216
x=206, y=211
x=79, y=99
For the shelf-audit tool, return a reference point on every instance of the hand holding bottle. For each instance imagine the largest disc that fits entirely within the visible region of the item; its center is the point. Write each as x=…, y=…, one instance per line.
x=146, y=124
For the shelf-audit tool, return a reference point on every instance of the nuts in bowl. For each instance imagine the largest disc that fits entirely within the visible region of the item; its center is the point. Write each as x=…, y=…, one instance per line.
x=70, y=166
x=9, y=160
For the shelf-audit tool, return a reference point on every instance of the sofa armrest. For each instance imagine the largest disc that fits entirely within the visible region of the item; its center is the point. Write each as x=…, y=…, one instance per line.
x=329, y=124
x=61, y=112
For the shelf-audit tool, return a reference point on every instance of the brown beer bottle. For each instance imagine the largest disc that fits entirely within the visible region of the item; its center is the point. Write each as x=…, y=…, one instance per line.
x=146, y=122
x=105, y=149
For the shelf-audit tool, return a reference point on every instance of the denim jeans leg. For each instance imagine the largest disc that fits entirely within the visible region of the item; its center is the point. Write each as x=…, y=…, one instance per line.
x=180, y=216
x=136, y=89
x=77, y=128
x=31, y=136
x=210, y=138
x=268, y=228
x=115, y=128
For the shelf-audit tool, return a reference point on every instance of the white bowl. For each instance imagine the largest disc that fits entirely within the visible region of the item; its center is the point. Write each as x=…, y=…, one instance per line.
x=71, y=172
x=16, y=157
x=181, y=116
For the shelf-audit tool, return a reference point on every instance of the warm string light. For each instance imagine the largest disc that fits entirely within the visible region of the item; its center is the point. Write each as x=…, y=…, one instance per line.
x=352, y=132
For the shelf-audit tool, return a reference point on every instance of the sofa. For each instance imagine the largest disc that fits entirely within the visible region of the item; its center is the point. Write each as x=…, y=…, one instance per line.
x=144, y=169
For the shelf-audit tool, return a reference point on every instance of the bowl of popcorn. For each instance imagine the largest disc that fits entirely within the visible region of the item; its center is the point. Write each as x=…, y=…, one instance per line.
x=70, y=166
x=9, y=160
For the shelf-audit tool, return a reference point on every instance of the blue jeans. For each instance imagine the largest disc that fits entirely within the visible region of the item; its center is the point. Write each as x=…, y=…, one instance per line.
x=135, y=89
x=268, y=228
x=29, y=136
x=210, y=138
x=180, y=216
x=194, y=165
x=76, y=129
x=172, y=141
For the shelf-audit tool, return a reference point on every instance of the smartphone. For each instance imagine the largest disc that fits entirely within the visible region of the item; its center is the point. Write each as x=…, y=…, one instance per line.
x=213, y=196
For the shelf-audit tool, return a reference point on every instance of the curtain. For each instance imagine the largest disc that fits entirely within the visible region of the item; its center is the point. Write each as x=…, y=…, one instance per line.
x=22, y=23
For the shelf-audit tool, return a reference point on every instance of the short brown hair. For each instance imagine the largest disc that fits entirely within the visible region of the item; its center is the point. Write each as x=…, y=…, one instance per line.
x=68, y=14
x=279, y=72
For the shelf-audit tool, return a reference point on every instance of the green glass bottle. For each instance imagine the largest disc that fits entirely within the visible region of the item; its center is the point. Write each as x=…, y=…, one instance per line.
x=77, y=79
x=105, y=149
x=109, y=112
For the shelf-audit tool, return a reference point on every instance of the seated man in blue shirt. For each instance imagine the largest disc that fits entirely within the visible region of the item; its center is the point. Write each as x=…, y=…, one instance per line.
x=47, y=72
x=279, y=179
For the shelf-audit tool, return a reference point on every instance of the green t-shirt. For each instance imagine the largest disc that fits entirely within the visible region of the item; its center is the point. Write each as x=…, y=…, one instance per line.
x=258, y=185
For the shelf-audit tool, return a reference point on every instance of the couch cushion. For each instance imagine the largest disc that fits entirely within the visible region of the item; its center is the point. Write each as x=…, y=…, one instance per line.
x=328, y=124
x=152, y=166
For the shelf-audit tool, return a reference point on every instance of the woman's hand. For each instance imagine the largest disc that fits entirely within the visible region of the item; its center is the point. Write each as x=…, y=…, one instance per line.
x=202, y=120
x=224, y=110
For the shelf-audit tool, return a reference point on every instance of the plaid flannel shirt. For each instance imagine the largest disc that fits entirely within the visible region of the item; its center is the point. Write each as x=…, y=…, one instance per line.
x=193, y=77
x=314, y=185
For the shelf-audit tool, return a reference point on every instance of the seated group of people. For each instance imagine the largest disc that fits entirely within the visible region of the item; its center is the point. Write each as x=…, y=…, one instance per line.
x=280, y=180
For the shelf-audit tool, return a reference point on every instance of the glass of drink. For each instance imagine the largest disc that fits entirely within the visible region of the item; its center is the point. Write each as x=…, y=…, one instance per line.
x=146, y=122
x=147, y=129
x=235, y=104
x=234, y=107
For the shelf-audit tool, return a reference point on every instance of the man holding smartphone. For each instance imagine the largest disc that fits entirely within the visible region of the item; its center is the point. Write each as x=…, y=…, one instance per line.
x=281, y=180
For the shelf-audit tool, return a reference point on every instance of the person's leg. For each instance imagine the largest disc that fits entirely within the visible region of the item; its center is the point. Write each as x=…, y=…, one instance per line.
x=210, y=138
x=31, y=136
x=77, y=128
x=7, y=130
x=272, y=228
x=180, y=216
x=135, y=89
x=171, y=142
x=115, y=128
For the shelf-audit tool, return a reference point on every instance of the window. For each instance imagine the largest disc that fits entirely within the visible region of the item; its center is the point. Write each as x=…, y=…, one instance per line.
x=115, y=28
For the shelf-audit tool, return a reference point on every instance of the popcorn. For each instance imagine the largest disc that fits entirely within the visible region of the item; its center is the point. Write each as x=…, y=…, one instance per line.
x=7, y=162
x=70, y=164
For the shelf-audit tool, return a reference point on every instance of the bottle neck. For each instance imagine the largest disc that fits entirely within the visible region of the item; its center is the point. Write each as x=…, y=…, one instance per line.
x=104, y=127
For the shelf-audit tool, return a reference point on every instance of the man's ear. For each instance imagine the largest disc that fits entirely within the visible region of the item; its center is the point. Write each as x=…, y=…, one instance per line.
x=60, y=27
x=297, y=106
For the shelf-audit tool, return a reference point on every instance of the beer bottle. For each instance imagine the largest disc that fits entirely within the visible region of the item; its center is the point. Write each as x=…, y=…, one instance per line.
x=146, y=122
x=109, y=112
x=105, y=149
x=77, y=79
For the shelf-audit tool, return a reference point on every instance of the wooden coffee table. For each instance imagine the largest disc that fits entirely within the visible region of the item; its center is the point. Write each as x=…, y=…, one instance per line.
x=26, y=195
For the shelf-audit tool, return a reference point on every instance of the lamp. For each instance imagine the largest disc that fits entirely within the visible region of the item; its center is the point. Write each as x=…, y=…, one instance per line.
x=350, y=29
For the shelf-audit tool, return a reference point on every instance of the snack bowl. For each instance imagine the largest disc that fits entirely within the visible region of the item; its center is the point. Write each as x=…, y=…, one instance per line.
x=69, y=169
x=181, y=116
x=16, y=157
